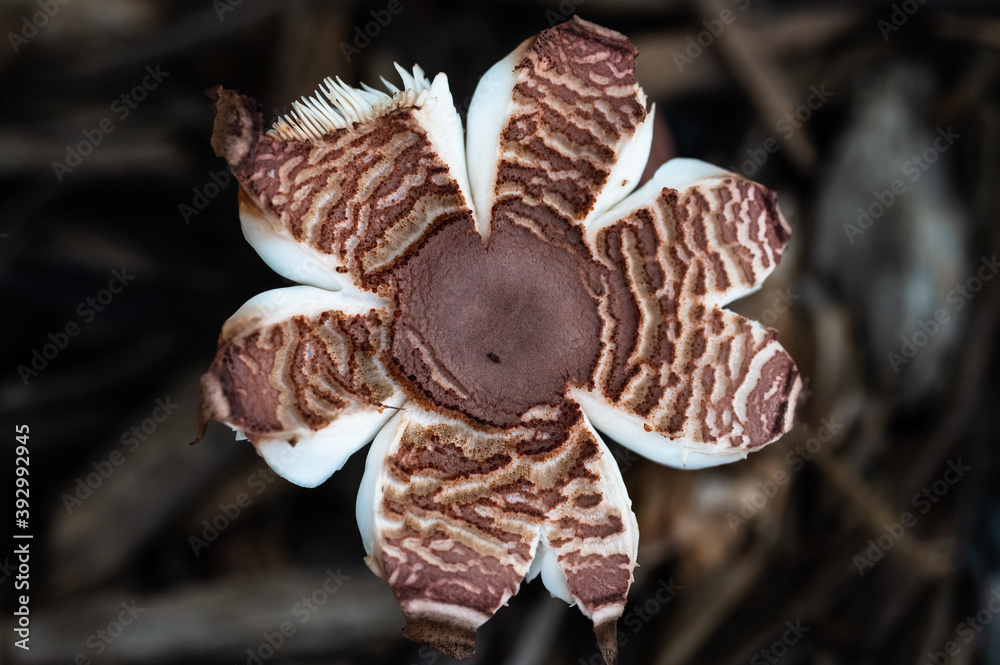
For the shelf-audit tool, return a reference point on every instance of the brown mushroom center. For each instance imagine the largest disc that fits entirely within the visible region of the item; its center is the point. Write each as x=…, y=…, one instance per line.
x=493, y=331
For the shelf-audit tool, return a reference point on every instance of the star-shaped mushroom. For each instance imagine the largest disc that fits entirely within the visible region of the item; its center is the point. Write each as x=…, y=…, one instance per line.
x=482, y=308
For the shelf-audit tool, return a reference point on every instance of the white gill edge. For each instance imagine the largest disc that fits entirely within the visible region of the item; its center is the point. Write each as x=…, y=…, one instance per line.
x=631, y=162
x=680, y=174
x=288, y=257
x=443, y=125
x=371, y=489
x=315, y=457
x=488, y=114
x=546, y=562
x=336, y=105
x=281, y=304
x=627, y=429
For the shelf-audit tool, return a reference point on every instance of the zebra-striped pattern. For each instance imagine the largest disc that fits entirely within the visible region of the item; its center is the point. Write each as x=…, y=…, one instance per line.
x=294, y=377
x=574, y=107
x=366, y=195
x=594, y=537
x=691, y=369
x=462, y=500
x=460, y=514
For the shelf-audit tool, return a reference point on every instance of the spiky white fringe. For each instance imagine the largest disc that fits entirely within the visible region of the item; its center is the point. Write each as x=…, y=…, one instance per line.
x=337, y=105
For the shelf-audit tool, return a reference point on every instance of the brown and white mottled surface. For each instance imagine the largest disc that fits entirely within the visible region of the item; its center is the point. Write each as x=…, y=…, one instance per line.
x=300, y=373
x=840, y=300
x=459, y=516
x=492, y=327
x=686, y=366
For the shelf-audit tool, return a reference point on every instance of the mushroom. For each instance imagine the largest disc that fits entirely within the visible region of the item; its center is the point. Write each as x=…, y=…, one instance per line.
x=483, y=308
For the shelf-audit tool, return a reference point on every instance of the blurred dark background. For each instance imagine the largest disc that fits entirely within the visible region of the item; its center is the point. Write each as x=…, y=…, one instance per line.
x=870, y=534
